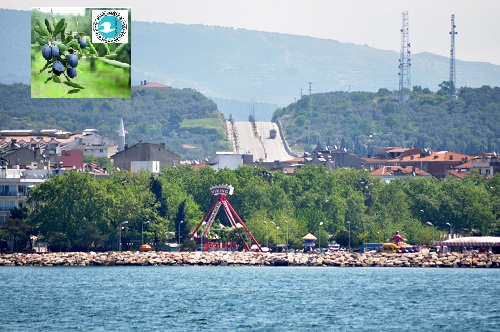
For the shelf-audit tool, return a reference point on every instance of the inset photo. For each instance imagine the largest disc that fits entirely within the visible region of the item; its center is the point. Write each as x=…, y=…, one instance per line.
x=80, y=52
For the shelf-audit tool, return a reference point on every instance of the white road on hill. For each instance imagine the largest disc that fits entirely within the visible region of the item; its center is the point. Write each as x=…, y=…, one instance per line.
x=262, y=147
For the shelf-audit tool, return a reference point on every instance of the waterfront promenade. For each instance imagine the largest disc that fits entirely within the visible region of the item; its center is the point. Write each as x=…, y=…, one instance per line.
x=422, y=259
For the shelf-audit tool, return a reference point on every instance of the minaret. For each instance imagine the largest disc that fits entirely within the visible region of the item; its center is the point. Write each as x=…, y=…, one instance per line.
x=121, y=136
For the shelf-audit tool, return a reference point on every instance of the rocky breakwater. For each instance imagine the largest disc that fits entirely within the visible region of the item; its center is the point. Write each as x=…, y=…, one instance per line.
x=222, y=258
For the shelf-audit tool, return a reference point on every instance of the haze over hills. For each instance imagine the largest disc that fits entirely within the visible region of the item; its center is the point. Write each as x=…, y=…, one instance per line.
x=244, y=65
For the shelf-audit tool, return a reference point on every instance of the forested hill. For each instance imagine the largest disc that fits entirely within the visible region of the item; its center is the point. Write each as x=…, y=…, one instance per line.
x=360, y=120
x=185, y=120
x=245, y=65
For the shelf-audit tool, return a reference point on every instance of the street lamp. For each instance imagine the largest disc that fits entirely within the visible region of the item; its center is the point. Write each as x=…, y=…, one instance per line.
x=450, y=228
x=267, y=233
x=319, y=235
x=431, y=224
x=272, y=222
x=121, y=227
x=201, y=241
x=286, y=222
x=142, y=231
x=179, y=233
x=349, y=223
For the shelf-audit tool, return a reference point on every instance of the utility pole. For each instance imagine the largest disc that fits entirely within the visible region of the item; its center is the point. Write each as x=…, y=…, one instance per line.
x=404, y=60
x=453, y=73
x=310, y=88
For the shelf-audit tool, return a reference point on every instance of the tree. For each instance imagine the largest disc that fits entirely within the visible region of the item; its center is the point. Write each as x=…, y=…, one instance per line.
x=67, y=204
x=16, y=229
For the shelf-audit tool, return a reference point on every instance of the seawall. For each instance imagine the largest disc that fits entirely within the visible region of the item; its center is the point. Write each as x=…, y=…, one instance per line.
x=222, y=258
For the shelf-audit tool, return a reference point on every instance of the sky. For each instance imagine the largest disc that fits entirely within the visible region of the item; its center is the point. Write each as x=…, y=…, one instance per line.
x=375, y=23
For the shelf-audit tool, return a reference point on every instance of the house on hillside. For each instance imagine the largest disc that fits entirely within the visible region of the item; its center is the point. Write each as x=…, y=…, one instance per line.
x=92, y=144
x=389, y=173
x=438, y=164
x=146, y=84
x=145, y=152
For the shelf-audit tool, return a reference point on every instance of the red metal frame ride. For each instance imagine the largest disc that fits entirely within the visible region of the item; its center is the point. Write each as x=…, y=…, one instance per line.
x=221, y=192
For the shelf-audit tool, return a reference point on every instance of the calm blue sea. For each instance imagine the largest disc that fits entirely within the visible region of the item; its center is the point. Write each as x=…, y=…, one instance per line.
x=248, y=299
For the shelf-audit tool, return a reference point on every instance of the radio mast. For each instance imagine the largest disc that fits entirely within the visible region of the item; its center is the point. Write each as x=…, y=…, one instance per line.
x=453, y=73
x=404, y=60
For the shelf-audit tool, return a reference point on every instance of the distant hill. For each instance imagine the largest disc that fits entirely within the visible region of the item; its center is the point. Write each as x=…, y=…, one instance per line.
x=185, y=120
x=244, y=65
x=359, y=121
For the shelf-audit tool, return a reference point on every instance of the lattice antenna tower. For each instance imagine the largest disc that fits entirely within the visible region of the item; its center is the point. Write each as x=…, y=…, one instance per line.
x=453, y=73
x=404, y=59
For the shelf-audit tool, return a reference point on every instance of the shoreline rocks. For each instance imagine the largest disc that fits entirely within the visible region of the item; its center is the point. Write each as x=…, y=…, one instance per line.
x=226, y=258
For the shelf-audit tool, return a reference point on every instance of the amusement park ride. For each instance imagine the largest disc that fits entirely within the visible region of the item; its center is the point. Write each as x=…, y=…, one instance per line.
x=221, y=191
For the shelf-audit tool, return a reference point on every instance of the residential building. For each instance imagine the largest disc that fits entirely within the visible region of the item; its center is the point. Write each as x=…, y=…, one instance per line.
x=487, y=164
x=389, y=173
x=229, y=160
x=438, y=164
x=92, y=144
x=15, y=184
x=145, y=152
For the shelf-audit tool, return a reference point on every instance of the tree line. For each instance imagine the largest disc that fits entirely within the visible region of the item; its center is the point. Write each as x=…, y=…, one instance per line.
x=74, y=211
x=359, y=121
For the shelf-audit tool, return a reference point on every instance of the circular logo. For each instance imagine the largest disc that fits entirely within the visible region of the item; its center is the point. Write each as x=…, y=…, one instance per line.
x=110, y=27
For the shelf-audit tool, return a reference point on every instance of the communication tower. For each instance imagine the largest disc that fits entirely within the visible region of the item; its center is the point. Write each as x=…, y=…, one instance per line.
x=404, y=59
x=453, y=73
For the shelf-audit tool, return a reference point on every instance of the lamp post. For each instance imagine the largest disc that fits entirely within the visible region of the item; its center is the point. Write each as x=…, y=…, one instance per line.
x=277, y=230
x=450, y=228
x=430, y=224
x=319, y=235
x=142, y=231
x=272, y=222
x=267, y=234
x=286, y=222
x=179, y=233
x=121, y=227
x=349, y=223
x=201, y=241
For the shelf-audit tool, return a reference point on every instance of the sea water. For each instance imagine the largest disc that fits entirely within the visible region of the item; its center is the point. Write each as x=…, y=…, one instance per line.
x=199, y=298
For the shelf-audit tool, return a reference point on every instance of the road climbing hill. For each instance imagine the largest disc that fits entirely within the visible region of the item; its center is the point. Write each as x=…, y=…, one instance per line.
x=258, y=142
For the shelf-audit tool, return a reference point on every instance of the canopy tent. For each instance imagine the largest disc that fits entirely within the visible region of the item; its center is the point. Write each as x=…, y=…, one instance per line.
x=472, y=241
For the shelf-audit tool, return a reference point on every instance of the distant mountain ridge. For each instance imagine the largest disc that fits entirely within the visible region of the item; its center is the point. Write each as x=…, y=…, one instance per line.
x=245, y=65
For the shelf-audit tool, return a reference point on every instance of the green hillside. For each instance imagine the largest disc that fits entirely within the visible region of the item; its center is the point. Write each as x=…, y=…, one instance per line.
x=358, y=121
x=185, y=120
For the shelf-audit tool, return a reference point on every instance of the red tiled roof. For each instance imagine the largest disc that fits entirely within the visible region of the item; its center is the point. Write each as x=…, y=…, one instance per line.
x=436, y=156
x=155, y=85
x=457, y=174
x=393, y=170
x=467, y=165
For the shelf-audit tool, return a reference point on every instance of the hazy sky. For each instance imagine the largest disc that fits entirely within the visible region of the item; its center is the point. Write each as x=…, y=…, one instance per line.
x=375, y=23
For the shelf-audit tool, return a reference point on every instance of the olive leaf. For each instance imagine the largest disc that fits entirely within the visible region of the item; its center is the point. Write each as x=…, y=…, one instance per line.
x=40, y=27
x=115, y=63
x=59, y=26
x=74, y=85
x=47, y=24
x=73, y=91
x=42, y=40
x=120, y=47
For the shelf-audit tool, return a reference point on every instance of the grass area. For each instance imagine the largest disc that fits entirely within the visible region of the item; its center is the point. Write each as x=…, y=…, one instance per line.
x=102, y=81
x=209, y=123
